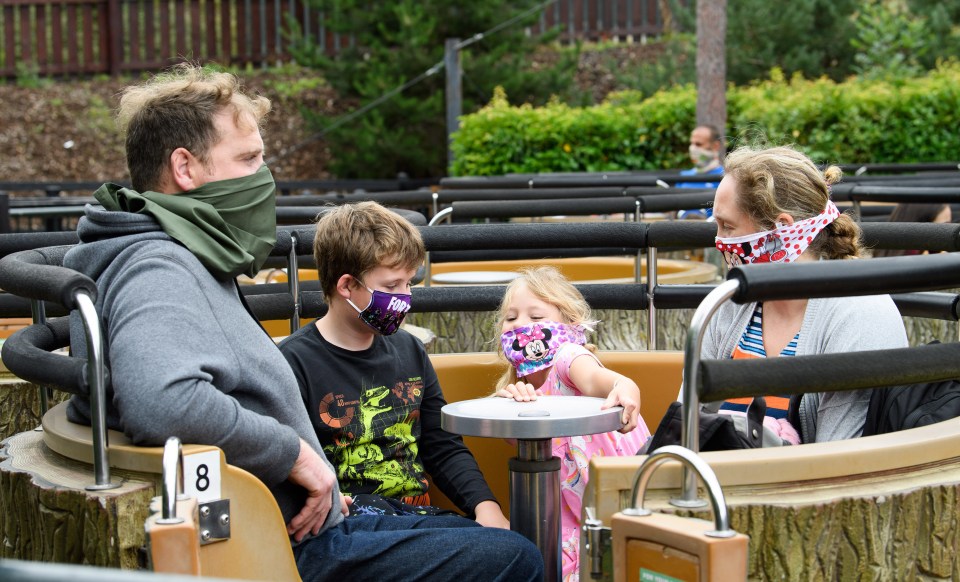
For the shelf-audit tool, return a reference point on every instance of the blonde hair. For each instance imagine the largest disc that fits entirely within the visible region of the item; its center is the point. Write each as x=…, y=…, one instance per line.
x=550, y=286
x=176, y=109
x=352, y=239
x=779, y=180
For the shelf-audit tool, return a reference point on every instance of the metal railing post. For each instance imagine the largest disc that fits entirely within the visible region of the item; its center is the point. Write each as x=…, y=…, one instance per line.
x=651, y=308
x=96, y=380
x=435, y=220
x=690, y=431
x=293, y=280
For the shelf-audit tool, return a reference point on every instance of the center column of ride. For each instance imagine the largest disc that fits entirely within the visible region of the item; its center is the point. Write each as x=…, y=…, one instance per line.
x=535, y=500
x=534, y=472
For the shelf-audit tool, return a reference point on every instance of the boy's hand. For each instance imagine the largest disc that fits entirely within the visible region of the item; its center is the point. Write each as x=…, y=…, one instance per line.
x=625, y=393
x=310, y=472
x=521, y=392
x=489, y=514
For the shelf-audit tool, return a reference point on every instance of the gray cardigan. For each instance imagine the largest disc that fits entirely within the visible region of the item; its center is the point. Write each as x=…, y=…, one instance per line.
x=832, y=325
x=185, y=357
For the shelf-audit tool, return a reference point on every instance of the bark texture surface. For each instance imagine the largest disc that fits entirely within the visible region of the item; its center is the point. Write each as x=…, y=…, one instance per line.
x=47, y=515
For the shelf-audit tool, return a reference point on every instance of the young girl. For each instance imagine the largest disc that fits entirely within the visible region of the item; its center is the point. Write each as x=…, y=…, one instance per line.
x=542, y=321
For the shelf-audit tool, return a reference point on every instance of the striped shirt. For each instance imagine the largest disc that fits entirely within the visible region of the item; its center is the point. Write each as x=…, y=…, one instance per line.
x=751, y=346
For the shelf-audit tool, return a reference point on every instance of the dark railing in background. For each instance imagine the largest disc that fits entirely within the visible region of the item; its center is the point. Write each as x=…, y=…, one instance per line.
x=56, y=206
x=68, y=37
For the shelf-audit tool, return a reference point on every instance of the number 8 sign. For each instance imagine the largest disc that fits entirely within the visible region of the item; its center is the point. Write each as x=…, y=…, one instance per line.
x=201, y=476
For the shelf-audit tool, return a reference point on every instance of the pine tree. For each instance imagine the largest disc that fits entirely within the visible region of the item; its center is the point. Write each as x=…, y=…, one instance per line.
x=395, y=42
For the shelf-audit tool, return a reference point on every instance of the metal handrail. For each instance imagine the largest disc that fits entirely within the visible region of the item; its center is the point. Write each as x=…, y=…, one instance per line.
x=96, y=380
x=171, y=485
x=690, y=397
x=690, y=461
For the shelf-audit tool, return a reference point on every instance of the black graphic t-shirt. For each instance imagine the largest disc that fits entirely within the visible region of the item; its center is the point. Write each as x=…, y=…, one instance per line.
x=377, y=415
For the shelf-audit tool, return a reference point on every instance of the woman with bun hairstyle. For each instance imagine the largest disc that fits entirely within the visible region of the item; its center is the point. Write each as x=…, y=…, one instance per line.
x=773, y=206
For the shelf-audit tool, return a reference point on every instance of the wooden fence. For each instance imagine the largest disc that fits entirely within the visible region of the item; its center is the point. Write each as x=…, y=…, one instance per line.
x=85, y=37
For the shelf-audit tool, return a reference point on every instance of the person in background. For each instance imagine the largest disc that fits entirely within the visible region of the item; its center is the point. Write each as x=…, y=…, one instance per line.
x=915, y=213
x=706, y=144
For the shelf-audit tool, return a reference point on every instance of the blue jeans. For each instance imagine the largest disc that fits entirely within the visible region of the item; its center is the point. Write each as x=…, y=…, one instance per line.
x=383, y=548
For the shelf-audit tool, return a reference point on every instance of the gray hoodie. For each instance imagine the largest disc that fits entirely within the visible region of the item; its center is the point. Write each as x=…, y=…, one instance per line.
x=185, y=357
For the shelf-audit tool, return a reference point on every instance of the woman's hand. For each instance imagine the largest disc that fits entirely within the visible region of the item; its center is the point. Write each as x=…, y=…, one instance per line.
x=521, y=392
x=625, y=393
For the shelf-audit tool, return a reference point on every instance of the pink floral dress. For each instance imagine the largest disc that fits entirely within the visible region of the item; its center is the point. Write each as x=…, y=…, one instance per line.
x=575, y=454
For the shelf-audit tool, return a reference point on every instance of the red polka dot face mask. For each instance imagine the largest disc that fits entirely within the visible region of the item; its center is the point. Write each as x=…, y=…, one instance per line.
x=780, y=245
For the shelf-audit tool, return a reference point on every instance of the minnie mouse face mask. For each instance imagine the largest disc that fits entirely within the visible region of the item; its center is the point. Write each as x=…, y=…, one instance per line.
x=531, y=348
x=783, y=244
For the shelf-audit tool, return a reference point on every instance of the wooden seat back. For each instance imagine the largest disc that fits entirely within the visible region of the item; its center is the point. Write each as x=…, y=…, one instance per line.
x=258, y=548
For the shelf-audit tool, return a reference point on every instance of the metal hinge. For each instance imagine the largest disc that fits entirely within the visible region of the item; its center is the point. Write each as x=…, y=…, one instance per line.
x=598, y=547
x=214, y=521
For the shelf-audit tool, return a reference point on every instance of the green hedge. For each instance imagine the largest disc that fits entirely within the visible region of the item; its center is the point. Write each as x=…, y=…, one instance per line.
x=857, y=121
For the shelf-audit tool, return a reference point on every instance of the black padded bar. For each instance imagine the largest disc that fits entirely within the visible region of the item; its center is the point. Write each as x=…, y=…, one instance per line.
x=305, y=234
x=309, y=214
x=271, y=301
x=525, y=254
x=902, y=168
x=680, y=296
x=698, y=178
x=676, y=201
x=34, y=274
x=312, y=304
x=456, y=298
x=534, y=235
x=271, y=306
x=846, y=278
x=909, y=194
x=883, y=235
x=311, y=200
x=883, y=211
x=405, y=197
x=689, y=234
x=928, y=179
x=298, y=214
x=16, y=306
x=25, y=241
x=636, y=191
x=921, y=236
x=928, y=304
x=485, y=182
x=450, y=196
x=624, y=181
x=724, y=379
x=841, y=192
x=31, y=201
x=541, y=207
x=27, y=353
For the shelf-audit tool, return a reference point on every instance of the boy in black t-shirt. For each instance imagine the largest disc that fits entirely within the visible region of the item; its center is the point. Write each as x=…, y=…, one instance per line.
x=369, y=387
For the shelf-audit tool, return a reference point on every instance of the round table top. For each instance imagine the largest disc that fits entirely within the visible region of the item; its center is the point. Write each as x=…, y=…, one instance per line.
x=546, y=417
x=474, y=277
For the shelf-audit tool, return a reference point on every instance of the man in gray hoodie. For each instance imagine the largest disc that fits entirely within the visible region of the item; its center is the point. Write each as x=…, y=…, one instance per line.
x=186, y=357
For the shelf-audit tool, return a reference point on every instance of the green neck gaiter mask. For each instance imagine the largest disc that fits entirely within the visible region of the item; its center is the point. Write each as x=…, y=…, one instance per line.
x=230, y=225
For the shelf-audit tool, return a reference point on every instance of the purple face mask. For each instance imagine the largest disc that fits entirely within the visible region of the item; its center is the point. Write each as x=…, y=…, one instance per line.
x=531, y=348
x=385, y=312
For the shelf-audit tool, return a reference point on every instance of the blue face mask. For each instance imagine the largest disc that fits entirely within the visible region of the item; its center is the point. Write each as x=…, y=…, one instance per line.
x=385, y=312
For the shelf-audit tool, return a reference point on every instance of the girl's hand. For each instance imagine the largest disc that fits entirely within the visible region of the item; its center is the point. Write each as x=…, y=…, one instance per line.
x=625, y=393
x=521, y=392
